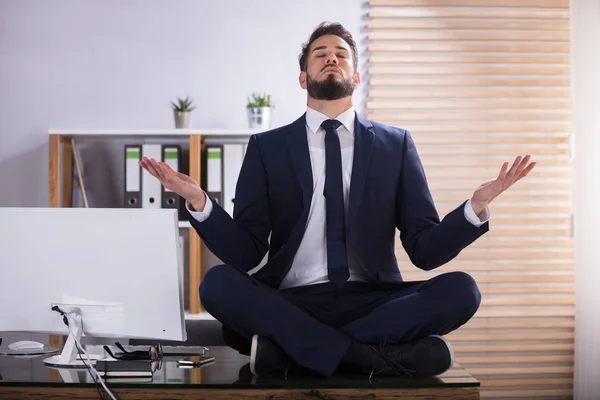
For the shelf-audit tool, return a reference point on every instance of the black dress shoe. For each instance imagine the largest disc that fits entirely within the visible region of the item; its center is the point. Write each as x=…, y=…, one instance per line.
x=426, y=357
x=266, y=358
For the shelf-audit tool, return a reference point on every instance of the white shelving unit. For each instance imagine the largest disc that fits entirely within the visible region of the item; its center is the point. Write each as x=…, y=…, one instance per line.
x=62, y=163
x=119, y=133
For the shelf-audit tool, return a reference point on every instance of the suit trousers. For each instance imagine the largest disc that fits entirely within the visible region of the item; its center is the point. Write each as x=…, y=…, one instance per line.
x=316, y=324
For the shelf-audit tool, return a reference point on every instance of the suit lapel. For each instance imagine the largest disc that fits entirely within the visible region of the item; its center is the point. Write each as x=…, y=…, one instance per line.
x=297, y=145
x=363, y=145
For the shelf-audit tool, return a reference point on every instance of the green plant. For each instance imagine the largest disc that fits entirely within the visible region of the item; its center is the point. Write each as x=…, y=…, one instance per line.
x=259, y=101
x=183, y=105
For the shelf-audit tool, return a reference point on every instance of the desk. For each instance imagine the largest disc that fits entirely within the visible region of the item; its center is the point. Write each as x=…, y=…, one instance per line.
x=228, y=377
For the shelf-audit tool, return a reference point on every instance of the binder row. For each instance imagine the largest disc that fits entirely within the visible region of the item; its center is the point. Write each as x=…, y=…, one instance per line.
x=221, y=168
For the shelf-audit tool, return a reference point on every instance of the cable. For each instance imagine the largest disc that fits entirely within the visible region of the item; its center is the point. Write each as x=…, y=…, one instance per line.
x=80, y=350
x=79, y=353
x=90, y=366
x=88, y=369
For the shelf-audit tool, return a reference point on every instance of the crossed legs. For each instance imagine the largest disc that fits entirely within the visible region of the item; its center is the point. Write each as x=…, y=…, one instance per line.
x=316, y=327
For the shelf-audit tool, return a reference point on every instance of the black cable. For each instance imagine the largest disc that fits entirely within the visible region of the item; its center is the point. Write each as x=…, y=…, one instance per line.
x=80, y=352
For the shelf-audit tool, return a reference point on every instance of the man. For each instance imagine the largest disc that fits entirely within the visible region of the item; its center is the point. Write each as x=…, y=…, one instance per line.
x=330, y=189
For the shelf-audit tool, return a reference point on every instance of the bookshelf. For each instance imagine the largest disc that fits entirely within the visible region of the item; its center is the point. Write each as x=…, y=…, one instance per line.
x=62, y=163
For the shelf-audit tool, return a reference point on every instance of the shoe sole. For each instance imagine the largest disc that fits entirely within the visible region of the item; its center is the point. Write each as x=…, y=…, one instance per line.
x=253, y=349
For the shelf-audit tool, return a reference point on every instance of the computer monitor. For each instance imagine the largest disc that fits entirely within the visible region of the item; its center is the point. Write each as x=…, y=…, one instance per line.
x=119, y=270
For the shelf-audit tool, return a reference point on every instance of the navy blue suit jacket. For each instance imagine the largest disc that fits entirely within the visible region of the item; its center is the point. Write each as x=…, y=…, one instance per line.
x=388, y=190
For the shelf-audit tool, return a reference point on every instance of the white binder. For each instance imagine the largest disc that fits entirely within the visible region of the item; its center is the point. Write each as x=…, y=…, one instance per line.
x=151, y=187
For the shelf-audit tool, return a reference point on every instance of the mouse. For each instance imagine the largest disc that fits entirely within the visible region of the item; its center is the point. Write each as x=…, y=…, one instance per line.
x=26, y=345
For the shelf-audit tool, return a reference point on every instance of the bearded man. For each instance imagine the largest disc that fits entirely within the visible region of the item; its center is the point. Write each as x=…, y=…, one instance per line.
x=329, y=190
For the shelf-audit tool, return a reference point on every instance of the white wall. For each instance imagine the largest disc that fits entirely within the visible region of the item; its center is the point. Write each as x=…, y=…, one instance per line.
x=586, y=101
x=117, y=64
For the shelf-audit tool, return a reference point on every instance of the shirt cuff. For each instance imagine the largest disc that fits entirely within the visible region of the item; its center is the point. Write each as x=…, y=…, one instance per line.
x=200, y=215
x=476, y=220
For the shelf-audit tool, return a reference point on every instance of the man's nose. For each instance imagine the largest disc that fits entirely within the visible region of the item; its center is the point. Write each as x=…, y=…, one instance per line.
x=331, y=59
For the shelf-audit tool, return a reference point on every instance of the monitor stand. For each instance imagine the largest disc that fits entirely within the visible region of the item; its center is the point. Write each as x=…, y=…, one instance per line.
x=69, y=357
x=69, y=375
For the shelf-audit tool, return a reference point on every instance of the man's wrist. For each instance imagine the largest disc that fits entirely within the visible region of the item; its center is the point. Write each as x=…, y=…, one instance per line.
x=478, y=207
x=199, y=202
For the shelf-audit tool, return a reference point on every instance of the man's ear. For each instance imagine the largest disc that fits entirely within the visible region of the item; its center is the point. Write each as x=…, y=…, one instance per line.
x=302, y=80
x=356, y=79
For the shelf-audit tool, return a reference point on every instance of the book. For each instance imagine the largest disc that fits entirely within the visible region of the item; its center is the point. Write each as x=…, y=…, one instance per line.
x=173, y=350
x=122, y=368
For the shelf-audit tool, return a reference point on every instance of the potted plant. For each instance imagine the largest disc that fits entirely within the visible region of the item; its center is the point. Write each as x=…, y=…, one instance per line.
x=182, y=111
x=259, y=111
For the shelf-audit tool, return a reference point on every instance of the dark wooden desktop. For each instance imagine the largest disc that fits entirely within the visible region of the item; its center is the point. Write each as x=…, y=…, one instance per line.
x=228, y=377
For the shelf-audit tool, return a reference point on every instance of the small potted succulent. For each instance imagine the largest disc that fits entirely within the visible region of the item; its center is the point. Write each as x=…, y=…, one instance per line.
x=259, y=111
x=182, y=111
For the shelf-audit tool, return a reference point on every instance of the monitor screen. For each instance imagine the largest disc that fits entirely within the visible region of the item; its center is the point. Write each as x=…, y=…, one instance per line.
x=120, y=268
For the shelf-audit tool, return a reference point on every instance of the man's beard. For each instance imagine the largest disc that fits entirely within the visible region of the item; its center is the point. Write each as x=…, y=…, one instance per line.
x=329, y=88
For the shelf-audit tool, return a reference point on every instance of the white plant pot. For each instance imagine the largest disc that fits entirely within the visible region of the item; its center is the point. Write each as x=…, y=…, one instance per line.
x=182, y=119
x=259, y=117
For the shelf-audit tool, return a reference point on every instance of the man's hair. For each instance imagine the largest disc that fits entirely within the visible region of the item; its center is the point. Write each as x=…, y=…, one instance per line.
x=326, y=28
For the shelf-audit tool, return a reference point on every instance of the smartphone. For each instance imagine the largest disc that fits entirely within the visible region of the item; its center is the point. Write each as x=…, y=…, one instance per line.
x=194, y=361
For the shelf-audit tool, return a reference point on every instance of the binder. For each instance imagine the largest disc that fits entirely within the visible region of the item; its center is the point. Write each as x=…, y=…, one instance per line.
x=133, y=177
x=214, y=173
x=233, y=155
x=151, y=187
x=184, y=168
x=171, y=156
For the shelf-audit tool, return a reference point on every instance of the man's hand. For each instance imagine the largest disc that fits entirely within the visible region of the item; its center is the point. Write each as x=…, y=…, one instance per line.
x=487, y=192
x=179, y=183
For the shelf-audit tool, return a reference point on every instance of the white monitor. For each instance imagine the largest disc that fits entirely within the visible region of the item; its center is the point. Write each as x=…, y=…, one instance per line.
x=118, y=269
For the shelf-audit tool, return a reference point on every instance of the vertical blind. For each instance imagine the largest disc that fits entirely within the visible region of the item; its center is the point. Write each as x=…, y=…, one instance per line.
x=477, y=83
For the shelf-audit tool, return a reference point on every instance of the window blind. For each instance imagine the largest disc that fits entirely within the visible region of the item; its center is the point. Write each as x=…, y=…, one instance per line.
x=477, y=83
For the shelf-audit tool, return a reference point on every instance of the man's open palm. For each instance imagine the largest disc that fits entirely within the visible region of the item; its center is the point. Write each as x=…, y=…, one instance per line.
x=179, y=183
x=490, y=190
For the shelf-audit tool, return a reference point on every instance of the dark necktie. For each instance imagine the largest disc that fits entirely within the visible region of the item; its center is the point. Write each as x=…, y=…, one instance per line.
x=337, y=262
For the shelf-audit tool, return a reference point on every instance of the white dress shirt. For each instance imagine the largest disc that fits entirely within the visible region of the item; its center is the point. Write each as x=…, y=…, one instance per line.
x=310, y=262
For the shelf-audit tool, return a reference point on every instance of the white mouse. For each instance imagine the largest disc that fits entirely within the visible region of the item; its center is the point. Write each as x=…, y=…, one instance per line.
x=26, y=345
